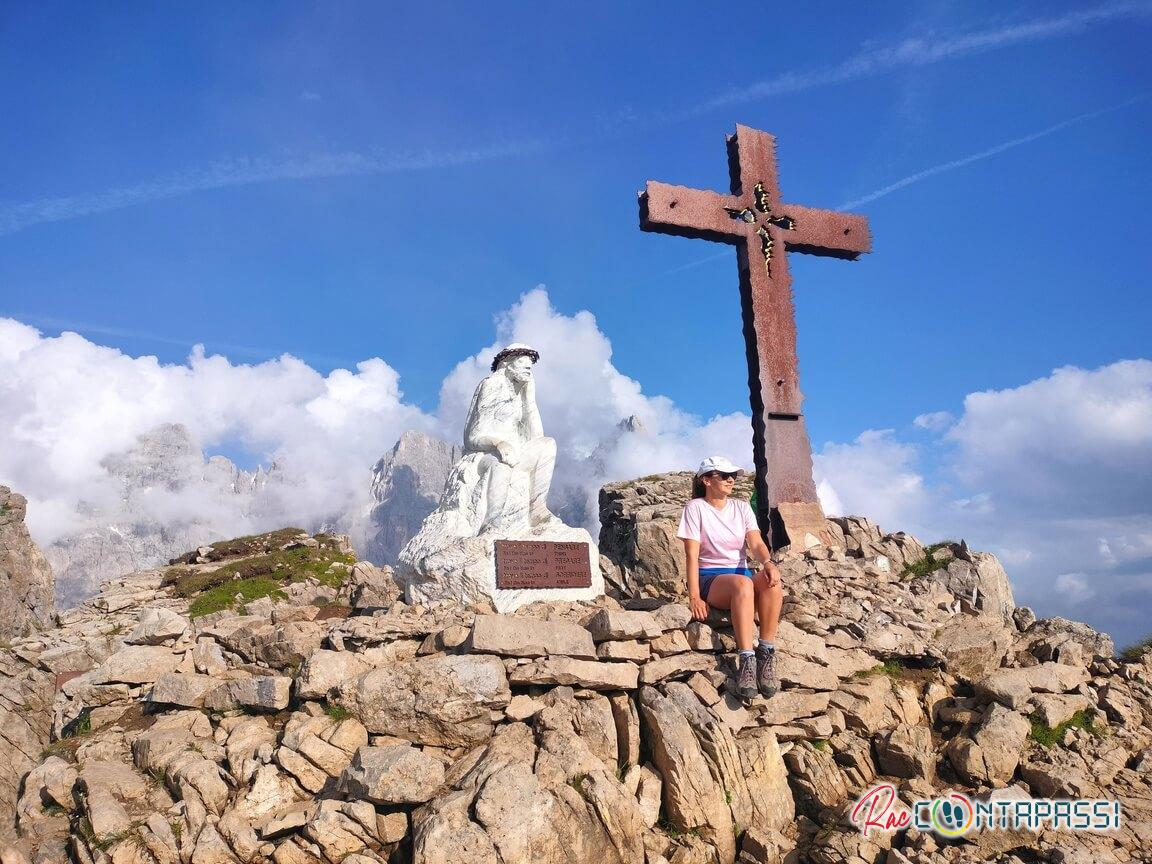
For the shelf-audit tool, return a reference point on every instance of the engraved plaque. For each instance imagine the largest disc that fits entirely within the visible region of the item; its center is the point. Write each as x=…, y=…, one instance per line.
x=542, y=564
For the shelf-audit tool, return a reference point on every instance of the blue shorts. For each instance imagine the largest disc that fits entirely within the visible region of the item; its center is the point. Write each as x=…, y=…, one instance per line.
x=708, y=574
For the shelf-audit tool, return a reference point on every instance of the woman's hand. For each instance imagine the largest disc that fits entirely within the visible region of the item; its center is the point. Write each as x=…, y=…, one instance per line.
x=772, y=574
x=699, y=608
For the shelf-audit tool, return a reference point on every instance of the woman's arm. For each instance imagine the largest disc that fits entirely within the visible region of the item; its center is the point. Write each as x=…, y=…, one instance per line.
x=758, y=551
x=692, y=563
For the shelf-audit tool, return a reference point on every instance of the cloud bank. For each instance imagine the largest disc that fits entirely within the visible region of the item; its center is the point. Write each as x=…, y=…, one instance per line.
x=69, y=404
x=1055, y=475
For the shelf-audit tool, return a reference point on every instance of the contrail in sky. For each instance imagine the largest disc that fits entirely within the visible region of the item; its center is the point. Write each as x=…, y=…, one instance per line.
x=247, y=171
x=991, y=151
x=921, y=52
x=244, y=172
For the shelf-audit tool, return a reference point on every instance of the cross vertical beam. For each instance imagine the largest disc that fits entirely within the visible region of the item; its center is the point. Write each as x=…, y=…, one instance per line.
x=763, y=229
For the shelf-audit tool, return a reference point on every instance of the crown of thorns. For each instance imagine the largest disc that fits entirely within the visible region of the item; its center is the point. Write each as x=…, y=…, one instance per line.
x=512, y=353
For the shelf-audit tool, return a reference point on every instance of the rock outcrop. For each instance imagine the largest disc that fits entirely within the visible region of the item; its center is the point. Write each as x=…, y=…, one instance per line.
x=407, y=484
x=288, y=721
x=639, y=552
x=26, y=583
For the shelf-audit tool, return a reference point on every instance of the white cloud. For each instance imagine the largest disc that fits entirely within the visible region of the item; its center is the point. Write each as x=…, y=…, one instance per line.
x=69, y=403
x=1054, y=476
x=1076, y=443
x=1074, y=586
x=875, y=476
x=935, y=421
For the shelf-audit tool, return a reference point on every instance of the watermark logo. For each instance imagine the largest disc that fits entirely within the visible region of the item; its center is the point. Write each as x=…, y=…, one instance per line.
x=955, y=814
x=950, y=816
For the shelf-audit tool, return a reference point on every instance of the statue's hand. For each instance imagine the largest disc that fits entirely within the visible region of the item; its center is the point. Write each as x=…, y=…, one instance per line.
x=508, y=454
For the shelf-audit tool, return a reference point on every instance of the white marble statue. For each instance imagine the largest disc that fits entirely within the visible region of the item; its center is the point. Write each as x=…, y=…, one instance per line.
x=506, y=436
x=497, y=491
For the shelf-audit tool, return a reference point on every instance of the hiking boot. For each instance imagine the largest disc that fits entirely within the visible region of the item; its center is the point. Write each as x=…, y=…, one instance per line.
x=746, y=677
x=767, y=680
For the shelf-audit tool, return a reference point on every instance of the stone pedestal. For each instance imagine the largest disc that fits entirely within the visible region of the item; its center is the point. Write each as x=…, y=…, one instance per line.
x=437, y=566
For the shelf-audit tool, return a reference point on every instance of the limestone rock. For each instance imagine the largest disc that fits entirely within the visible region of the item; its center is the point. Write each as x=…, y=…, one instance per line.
x=1013, y=687
x=157, y=625
x=980, y=579
x=502, y=810
x=694, y=801
x=26, y=581
x=973, y=647
x=324, y=670
x=766, y=776
x=263, y=692
x=1053, y=709
x=583, y=673
x=992, y=754
x=25, y=725
x=907, y=752
x=182, y=688
x=392, y=775
x=1049, y=639
x=817, y=780
x=638, y=652
x=441, y=701
x=613, y=624
x=865, y=703
x=136, y=664
x=675, y=666
x=371, y=587
x=514, y=636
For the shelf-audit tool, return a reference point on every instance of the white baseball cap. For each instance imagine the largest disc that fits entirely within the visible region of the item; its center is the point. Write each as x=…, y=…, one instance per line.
x=718, y=463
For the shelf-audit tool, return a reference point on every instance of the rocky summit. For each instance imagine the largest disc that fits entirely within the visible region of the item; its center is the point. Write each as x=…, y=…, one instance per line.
x=272, y=699
x=26, y=583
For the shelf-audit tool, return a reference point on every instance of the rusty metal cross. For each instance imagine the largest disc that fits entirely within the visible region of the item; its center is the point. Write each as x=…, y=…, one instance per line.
x=763, y=230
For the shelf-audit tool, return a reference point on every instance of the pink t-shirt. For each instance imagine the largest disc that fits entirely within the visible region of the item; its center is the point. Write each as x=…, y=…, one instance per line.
x=721, y=532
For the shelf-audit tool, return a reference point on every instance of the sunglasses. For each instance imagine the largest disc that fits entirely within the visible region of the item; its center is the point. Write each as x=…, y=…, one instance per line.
x=723, y=475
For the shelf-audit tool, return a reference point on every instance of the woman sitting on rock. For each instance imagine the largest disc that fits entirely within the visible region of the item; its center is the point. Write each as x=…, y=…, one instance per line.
x=729, y=568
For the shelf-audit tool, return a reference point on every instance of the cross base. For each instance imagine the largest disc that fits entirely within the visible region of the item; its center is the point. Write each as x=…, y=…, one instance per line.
x=805, y=523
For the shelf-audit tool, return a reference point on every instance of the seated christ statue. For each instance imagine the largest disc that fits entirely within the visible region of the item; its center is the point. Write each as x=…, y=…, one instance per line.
x=503, y=438
x=497, y=491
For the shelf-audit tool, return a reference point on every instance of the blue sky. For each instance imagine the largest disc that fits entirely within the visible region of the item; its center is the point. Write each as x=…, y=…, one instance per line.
x=355, y=181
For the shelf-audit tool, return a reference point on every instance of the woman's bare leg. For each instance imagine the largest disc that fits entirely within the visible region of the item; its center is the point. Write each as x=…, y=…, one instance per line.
x=769, y=602
x=737, y=594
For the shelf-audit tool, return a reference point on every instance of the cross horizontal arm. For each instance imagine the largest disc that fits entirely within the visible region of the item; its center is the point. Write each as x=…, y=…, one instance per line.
x=686, y=212
x=827, y=232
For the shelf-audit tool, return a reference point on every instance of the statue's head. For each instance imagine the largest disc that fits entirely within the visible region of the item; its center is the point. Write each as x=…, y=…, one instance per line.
x=517, y=361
